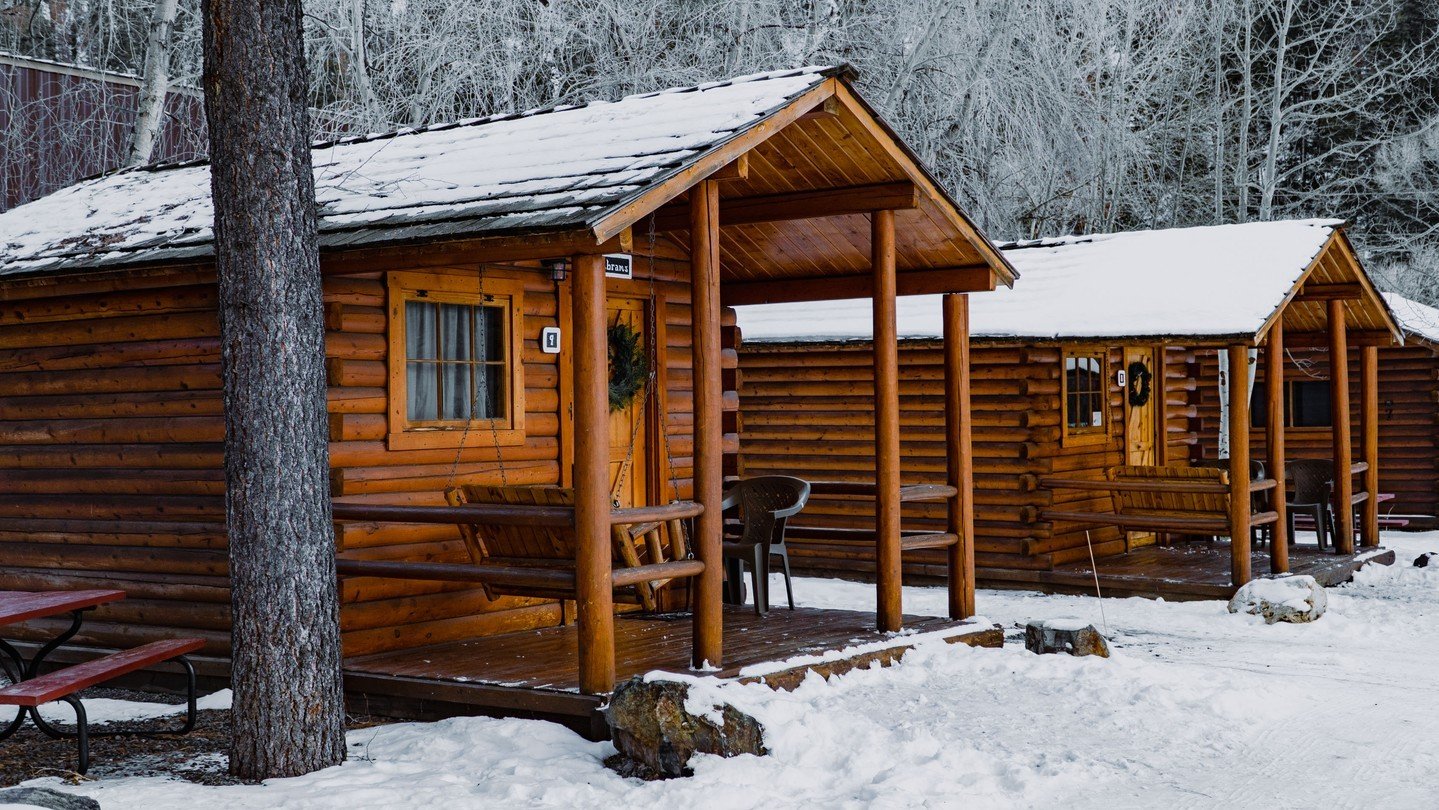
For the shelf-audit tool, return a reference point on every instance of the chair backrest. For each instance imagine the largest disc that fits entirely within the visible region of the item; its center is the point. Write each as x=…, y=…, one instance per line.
x=1312, y=478
x=1134, y=502
x=492, y=540
x=765, y=502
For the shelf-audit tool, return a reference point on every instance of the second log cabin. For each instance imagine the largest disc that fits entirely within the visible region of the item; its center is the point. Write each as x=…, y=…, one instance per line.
x=1103, y=357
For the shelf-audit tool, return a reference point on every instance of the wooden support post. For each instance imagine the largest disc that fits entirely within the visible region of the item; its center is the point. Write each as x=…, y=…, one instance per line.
x=1274, y=421
x=708, y=422
x=1239, y=464
x=594, y=602
x=1369, y=418
x=888, y=581
x=1343, y=449
x=959, y=455
x=1161, y=406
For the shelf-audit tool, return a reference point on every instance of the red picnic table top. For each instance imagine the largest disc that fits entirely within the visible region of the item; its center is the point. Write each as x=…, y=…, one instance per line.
x=20, y=606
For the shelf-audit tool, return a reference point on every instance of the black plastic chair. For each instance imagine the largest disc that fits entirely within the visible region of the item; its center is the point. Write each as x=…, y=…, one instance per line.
x=764, y=503
x=1313, y=481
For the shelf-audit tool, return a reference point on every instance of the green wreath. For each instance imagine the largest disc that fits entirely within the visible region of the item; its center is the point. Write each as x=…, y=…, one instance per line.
x=1139, y=378
x=629, y=368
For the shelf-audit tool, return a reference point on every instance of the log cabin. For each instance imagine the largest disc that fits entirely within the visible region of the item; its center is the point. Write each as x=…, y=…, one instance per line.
x=1094, y=362
x=474, y=275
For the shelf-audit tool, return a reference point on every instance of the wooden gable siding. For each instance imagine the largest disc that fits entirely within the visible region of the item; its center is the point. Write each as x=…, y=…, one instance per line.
x=1408, y=421
x=111, y=454
x=805, y=410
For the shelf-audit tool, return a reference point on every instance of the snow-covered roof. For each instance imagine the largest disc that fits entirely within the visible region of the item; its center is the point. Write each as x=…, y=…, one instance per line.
x=553, y=169
x=1420, y=320
x=1222, y=280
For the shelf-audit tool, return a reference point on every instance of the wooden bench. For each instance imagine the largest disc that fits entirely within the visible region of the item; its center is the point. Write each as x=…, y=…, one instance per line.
x=1178, y=500
x=63, y=684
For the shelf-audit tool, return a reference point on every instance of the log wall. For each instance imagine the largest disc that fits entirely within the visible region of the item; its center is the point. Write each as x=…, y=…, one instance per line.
x=111, y=451
x=805, y=410
x=1408, y=421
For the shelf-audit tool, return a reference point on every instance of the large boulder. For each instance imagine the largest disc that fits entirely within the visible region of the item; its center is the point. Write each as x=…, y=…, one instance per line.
x=47, y=798
x=1073, y=636
x=1285, y=598
x=657, y=727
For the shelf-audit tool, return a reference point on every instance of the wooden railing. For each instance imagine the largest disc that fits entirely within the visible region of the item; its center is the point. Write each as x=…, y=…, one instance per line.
x=912, y=493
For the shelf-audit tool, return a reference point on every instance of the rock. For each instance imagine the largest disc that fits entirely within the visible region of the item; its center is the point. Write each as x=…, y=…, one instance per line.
x=652, y=726
x=1072, y=636
x=1284, y=598
x=1426, y=559
x=45, y=797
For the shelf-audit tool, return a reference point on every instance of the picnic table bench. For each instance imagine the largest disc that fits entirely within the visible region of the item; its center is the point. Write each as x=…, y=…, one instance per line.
x=27, y=690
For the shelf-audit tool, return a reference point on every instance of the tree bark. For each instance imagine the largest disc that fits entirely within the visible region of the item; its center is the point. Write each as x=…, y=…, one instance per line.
x=288, y=714
x=150, y=115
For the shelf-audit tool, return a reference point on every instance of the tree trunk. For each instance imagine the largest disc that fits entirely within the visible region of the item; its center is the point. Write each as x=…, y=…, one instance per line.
x=154, y=84
x=288, y=715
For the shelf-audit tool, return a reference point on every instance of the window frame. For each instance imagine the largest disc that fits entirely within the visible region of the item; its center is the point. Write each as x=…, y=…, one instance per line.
x=467, y=290
x=1095, y=434
x=1259, y=416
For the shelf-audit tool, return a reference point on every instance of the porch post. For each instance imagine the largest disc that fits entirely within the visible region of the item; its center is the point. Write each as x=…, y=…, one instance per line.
x=959, y=455
x=594, y=602
x=1343, y=449
x=1274, y=413
x=886, y=424
x=708, y=421
x=1369, y=417
x=1238, y=465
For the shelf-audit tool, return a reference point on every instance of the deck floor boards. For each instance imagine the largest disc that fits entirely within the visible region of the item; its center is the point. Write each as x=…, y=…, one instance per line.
x=546, y=658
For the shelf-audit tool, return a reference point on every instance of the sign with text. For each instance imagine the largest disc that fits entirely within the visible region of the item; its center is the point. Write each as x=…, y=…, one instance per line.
x=550, y=340
x=619, y=265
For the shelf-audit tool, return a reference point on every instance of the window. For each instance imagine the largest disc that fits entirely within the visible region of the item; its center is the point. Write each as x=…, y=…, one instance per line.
x=454, y=357
x=1309, y=403
x=455, y=362
x=1306, y=404
x=1085, y=397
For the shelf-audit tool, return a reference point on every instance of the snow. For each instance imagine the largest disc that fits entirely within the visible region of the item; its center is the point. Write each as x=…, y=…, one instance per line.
x=108, y=710
x=1415, y=318
x=1215, y=280
x=1197, y=708
x=552, y=169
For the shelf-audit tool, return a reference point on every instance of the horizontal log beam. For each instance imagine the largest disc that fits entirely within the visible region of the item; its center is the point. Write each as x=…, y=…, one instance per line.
x=1320, y=340
x=459, y=572
x=676, y=569
x=809, y=204
x=967, y=278
x=1329, y=292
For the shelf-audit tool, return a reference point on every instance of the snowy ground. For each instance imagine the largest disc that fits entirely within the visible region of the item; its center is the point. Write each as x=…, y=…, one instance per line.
x=1197, y=708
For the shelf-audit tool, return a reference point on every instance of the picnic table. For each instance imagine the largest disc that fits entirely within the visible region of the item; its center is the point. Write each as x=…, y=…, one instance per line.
x=28, y=689
x=23, y=606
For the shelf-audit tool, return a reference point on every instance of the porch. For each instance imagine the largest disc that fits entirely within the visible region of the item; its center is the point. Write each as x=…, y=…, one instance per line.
x=534, y=673
x=1182, y=572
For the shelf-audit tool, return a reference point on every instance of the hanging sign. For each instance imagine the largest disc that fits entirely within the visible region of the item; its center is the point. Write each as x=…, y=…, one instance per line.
x=550, y=340
x=619, y=265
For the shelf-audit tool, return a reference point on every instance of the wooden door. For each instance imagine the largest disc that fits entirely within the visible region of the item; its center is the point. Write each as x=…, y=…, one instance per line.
x=629, y=453
x=1139, y=426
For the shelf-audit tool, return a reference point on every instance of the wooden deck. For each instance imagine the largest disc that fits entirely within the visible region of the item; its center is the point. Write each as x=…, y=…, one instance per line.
x=534, y=673
x=1186, y=571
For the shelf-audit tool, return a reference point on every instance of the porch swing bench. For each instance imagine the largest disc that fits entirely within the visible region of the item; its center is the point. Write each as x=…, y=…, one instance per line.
x=649, y=553
x=1176, y=500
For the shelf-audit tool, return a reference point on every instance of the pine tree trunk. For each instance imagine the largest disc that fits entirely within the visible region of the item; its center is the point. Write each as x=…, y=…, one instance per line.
x=288, y=715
